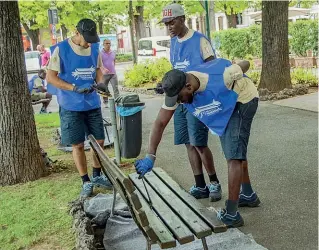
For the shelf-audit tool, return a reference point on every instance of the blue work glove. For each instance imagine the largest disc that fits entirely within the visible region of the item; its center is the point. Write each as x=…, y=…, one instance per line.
x=145, y=165
x=86, y=90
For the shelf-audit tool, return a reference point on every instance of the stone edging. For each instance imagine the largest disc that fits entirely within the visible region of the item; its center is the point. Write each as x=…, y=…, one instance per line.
x=264, y=94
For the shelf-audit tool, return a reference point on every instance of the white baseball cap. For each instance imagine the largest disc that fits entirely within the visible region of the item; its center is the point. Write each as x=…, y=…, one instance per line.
x=172, y=11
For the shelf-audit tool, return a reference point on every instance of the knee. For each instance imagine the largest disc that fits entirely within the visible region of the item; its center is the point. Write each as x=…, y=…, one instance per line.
x=190, y=147
x=79, y=146
x=201, y=149
x=234, y=163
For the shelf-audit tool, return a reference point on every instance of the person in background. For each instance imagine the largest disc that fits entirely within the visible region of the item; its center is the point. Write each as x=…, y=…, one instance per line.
x=38, y=91
x=73, y=69
x=44, y=55
x=108, y=70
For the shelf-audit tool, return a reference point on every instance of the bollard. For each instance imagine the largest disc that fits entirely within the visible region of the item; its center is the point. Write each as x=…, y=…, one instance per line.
x=114, y=130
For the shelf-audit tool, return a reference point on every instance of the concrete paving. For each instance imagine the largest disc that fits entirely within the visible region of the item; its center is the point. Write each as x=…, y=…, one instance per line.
x=306, y=102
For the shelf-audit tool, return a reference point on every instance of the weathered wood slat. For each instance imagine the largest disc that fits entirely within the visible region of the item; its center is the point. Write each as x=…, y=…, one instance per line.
x=165, y=238
x=208, y=216
x=191, y=219
x=170, y=219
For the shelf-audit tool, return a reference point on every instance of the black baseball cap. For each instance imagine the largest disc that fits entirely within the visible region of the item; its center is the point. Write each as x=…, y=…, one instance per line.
x=173, y=82
x=87, y=28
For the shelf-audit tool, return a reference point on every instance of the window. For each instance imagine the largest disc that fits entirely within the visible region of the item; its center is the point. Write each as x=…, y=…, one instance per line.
x=145, y=44
x=164, y=43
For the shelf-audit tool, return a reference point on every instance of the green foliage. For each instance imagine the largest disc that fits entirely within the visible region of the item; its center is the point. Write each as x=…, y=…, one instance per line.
x=304, y=36
x=36, y=12
x=254, y=76
x=124, y=58
x=147, y=73
x=239, y=43
x=304, y=76
x=231, y=7
x=303, y=3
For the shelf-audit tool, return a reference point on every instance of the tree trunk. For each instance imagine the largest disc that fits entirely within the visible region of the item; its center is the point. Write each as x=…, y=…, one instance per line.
x=231, y=18
x=64, y=31
x=132, y=30
x=275, y=74
x=33, y=34
x=139, y=23
x=212, y=22
x=20, y=156
x=100, y=23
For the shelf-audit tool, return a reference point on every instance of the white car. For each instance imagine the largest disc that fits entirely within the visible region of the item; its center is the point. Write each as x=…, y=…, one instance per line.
x=155, y=47
x=32, y=60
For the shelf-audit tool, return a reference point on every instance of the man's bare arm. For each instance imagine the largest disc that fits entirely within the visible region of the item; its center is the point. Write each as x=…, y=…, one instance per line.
x=163, y=118
x=52, y=77
x=99, y=75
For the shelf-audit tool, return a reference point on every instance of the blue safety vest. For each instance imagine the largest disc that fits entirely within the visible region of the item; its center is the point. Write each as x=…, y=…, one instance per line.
x=186, y=54
x=215, y=105
x=80, y=71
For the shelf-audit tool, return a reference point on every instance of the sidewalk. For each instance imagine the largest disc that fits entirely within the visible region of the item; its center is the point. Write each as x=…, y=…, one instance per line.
x=306, y=102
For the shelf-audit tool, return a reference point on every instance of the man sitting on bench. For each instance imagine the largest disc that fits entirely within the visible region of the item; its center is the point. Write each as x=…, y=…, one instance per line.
x=38, y=92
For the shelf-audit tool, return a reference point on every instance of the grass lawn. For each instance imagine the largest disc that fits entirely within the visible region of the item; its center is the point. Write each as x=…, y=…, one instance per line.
x=35, y=215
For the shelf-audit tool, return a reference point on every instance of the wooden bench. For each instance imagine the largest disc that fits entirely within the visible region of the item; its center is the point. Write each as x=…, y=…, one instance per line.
x=174, y=215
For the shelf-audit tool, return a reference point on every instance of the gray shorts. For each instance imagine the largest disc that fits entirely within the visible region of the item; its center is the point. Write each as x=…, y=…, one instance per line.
x=235, y=139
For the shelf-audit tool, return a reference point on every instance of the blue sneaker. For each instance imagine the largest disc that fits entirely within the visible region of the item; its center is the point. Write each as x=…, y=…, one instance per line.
x=230, y=220
x=87, y=190
x=199, y=193
x=101, y=181
x=215, y=191
x=248, y=200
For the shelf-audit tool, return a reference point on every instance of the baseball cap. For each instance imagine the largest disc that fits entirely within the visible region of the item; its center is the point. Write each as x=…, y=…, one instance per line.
x=172, y=11
x=87, y=29
x=173, y=82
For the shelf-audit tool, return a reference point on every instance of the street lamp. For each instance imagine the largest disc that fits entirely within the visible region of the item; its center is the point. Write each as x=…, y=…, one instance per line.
x=207, y=20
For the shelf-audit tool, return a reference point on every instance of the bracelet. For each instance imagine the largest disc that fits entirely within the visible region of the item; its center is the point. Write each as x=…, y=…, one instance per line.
x=152, y=156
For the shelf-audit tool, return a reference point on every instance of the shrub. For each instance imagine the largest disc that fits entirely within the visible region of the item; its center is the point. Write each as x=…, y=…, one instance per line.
x=254, y=76
x=124, y=58
x=303, y=37
x=150, y=72
x=303, y=76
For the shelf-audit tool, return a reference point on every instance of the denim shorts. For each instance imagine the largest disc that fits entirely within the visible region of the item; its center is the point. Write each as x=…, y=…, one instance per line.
x=188, y=129
x=235, y=139
x=75, y=125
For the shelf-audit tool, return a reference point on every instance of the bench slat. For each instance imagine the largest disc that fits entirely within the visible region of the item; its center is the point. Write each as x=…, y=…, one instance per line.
x=191, y=219
x=208, y=216
x=170, y=219
x=165, y=238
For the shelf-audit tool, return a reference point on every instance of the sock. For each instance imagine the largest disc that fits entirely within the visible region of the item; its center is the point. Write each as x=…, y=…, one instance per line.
x=96, y=172
x=246, y=189
x=213, y=177
x=85, y=178
x=232, y=207
x=200, y=181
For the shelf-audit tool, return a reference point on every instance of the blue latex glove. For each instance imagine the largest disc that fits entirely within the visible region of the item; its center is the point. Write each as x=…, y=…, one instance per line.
x=144, y=165
x=86, y=90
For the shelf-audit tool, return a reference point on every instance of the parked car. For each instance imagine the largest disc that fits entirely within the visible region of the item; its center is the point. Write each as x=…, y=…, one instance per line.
x=155, y=47
x=32, y=60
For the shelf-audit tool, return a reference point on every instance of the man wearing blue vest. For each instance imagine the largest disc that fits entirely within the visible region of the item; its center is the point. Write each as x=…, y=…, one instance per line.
x=38, y=91
x=73, y=69
x=190, y=48
x=216, y=93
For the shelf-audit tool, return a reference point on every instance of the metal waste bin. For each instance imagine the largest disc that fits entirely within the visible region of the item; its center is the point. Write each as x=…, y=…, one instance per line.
x=129, y=108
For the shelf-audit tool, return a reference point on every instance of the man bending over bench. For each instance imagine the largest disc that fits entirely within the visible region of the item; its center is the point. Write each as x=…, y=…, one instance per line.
x=225, y=100
x=39, y=92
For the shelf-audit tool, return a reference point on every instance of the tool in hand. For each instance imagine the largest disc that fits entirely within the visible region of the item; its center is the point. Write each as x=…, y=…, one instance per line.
x=148, y=195
x=158, y=89
x=101, y=90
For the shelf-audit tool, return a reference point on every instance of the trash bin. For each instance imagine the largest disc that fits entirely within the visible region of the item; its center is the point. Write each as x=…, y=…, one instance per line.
x=129, y=107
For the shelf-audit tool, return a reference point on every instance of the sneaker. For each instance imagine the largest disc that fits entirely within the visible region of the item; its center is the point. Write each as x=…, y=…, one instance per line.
x=43, y=111
x=248, y=200
x=101, y=181
x=87, y=190
x=199, y=193
x=230, y=220
x=215, y=191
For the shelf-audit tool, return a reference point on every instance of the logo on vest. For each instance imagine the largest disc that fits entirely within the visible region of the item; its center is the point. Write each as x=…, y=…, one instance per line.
x=84, y=73
x=181, y=65
x=208, y=109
